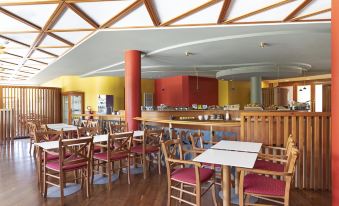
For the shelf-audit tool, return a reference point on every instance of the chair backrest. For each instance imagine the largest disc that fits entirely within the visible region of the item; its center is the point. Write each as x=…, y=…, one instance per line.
x=79, y=151
x=117, y=128
x=45, y=136
x=76, y=122
x=87, y=131
x=153, y=137
x=91, y=123
x=119, y=143
x=291, y=159
x=197, y=140
x=31, y=128
x=172, y=149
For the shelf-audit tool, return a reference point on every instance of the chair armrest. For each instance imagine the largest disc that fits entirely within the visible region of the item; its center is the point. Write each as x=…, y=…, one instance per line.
x=186, y=162
x=265, y=172
x=272, y=158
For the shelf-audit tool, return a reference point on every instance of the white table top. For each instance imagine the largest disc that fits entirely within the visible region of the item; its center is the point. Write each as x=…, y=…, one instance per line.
x=238, y=146
x=228, y=158
x=64, y=127
x=55, y=144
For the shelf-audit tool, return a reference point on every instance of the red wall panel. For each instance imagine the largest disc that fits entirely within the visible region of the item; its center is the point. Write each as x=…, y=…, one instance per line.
x=186, y=90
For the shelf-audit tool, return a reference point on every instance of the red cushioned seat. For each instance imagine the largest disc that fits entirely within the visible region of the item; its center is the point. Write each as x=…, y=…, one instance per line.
x=50, y=157
x=187, y=175
x=260, y=184
x=266, y=165
x=148, y=149
x=114, y=156
x=55, y=166
x=96, y=149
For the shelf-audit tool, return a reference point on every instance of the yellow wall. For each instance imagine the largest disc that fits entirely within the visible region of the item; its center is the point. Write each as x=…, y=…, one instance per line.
x=93, y=86
x=240, y=94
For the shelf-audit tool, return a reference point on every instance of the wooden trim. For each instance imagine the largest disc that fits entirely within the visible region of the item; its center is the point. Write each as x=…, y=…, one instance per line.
x=190, y=12
x=60, y=39
x=223, y=11
x=18, y=18
x=83, y=15
x=311, y=14
x=257, y=11
x=15, y=41
x=297, y=10
x=122, y=14
x=152, y=12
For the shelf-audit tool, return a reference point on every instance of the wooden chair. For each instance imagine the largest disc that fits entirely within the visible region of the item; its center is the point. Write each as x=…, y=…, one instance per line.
x=79, y=159
x=117, y=128
x=148, y=149
x=118, y=148
x=261, y=184
x=91, y=123
x=45, y=136
x=31, y=128
x=183, y=174
x=89, y=131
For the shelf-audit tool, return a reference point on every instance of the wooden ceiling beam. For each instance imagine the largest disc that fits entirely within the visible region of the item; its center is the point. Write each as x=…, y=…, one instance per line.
x=18, y=18
x=311, y=14
x=297, y=10
x=30, y=67
x=50, y=22
x=3, y=61
x=258, y=11
x=60, y=39
x=38, y=61
x=83, y=15
x=152, y=12
x=26, y=2
x=122, y=14
x=19, y=32
x=14, y=41
x=53, y=47
x=68, y=30
x=15, y=55
x=223, y=11
x=46, y=52
x=190, y=12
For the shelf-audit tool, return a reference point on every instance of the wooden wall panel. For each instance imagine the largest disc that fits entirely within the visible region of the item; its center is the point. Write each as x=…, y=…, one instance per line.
x=21, y=104
x=311, y=131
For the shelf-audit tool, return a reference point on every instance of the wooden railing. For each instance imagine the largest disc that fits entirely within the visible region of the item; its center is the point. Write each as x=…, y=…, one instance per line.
x=7, y=125
x=27, y=103
x=311, y=131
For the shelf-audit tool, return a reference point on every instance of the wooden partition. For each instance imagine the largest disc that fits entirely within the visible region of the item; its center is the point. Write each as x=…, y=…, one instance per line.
x=311, y=131
x=25, y=103
x=7, y=125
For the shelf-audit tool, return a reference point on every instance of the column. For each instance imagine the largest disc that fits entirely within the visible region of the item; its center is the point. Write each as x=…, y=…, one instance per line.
x=256, y=93
x=132, y=88
x=335, y=102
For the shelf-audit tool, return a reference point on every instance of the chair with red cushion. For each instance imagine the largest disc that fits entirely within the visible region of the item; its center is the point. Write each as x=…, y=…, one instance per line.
x=45, y=136
x=117, y=128
x=183, y=174
x=89, y=131
x=79, y=159
x=147, y=149
x=117, y=149
x=261, y=183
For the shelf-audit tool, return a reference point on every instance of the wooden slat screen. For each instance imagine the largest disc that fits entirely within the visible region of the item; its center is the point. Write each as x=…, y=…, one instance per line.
x=7, y=125
x=311, y=131
x=43, y=103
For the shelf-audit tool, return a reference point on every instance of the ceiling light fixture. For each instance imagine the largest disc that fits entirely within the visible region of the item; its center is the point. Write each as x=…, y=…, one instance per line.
x=188, y=53
x=263, y=44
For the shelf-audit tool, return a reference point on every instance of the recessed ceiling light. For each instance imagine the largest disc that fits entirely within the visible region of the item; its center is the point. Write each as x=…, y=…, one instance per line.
x=263, y=44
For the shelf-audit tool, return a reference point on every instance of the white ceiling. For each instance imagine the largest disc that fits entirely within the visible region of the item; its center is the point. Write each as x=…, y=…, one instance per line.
x=37, y=33
x=213, y=49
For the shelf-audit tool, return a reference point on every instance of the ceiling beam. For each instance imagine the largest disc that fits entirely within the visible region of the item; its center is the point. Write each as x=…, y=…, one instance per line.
x=28, y=23
x=258, y=11
x=152, y=12
x=46, y=52
x=26, y=2
x=68, y=30
x=38, y=61
x=223, y=11
x=297, y=10
x=3, y=61
x=83, y=15
x=311, y=14
x=15, y=55
x=53, y=47
x=122, y=14
x=190, y=12
x=14, y=41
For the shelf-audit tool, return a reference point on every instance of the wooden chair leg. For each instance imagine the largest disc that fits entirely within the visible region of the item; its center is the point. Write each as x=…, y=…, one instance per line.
x=109, y=169
x=45, y=183
x=241, y=190
x=129, y=169
x=169, y=189
x=198, y=196
x=144, y=169
x=88, y=181
x=62, y=185
x=214, y=198
x=180, y=194
x=159, y=162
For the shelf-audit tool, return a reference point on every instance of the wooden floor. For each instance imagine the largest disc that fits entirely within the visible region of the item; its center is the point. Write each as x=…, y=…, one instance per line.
x=18, y=186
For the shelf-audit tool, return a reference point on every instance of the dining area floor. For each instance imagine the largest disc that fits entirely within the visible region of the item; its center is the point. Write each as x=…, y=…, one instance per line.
x=18, y=186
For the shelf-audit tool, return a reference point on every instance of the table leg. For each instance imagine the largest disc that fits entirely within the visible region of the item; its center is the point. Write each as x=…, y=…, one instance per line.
x=226, y=184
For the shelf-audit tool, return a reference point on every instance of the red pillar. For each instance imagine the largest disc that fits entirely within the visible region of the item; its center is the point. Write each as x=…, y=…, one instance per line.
x=132, y=88
x=335, y=102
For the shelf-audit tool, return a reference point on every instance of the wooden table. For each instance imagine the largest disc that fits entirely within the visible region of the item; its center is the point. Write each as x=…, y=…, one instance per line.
x=62, y=126
x=227, y=158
